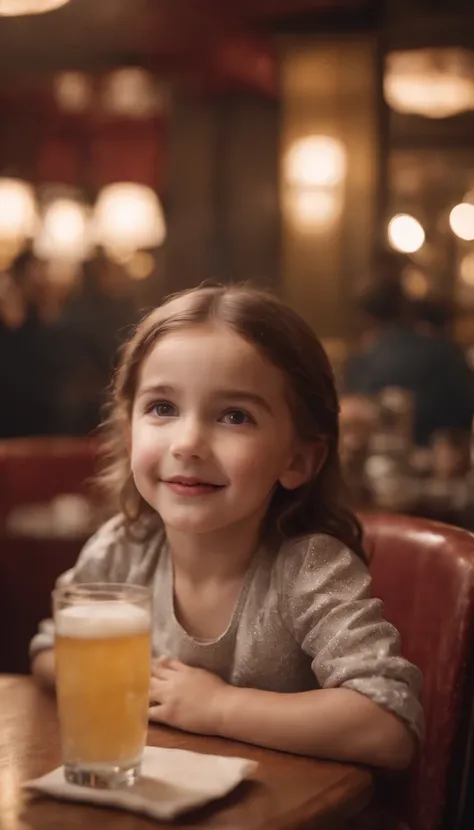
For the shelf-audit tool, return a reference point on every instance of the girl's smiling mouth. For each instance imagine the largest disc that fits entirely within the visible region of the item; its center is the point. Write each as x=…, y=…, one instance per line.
x=190, y=486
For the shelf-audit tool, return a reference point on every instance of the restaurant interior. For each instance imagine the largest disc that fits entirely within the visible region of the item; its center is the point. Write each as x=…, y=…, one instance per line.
x=319, y=149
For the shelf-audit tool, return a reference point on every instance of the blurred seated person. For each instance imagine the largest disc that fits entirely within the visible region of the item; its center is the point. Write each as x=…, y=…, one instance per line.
x=357, y=421
x=431, y=316
x=26, y=381
x=96, y=317
x=396, y=352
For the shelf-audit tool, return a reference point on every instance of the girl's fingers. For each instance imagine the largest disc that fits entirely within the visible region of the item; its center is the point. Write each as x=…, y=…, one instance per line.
x=160, y=673
x=155, y=690
x=157, y=713
x=167, y=662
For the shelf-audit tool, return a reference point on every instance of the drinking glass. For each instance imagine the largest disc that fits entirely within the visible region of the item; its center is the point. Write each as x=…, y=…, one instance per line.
x=103, y=650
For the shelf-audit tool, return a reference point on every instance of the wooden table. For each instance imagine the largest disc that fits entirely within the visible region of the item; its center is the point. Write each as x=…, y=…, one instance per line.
x=287, y=791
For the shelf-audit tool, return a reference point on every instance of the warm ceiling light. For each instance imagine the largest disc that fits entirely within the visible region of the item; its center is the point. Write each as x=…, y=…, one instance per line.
x=14, y=8
x=434, y=83
x=17, y=209
x=18, y=217
x=132, y=93
x=461, y=220
x=314, y=209
x=65, y=231
x=128, y=217
x=141, y=265
x=314, y=173
x=315, y=161
x=73, y=91
x=405, y=233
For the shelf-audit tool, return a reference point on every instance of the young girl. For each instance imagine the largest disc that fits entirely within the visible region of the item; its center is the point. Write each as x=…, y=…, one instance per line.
x=223, y=442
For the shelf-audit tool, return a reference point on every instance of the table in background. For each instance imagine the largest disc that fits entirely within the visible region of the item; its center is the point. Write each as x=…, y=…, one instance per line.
x=287, y=792
x=29, y=568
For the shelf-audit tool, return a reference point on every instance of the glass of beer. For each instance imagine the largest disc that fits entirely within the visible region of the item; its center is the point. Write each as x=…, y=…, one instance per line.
x=103, y=651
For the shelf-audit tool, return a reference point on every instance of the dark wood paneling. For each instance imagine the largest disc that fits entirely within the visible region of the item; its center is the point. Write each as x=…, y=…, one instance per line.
x=248, y=216
x=331, y=87
x=190, y=254
x=222, y=201
x=170, y=35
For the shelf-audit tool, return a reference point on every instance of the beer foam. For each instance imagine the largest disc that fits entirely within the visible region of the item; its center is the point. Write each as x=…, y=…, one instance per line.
x=101, y=619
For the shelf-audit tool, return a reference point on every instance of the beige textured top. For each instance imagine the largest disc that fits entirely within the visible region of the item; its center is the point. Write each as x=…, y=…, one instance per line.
x=304, y=619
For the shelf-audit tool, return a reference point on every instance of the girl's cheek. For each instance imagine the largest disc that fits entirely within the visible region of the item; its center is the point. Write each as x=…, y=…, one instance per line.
x=144, y=452
x=249, y=462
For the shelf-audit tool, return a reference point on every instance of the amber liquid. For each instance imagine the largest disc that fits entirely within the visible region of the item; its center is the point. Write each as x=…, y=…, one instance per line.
x=103, y=688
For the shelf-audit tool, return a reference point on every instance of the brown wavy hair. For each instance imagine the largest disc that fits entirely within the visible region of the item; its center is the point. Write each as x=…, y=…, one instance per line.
x=319, y=506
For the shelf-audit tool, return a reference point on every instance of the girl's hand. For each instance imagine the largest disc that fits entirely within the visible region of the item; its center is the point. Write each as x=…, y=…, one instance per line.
x=185, y=697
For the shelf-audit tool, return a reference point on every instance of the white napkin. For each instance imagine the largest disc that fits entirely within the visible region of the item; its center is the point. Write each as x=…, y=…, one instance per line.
x=172, y=781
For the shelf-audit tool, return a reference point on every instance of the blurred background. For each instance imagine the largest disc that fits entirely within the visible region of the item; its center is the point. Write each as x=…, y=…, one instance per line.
x=323, y=149
x=294, y=143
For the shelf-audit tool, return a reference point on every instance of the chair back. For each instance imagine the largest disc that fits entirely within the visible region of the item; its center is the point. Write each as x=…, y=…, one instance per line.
x=38, y=469
x=424, y=573
x=35, y=470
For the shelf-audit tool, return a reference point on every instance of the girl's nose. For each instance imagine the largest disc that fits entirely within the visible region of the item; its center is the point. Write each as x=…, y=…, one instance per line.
x=190, y=440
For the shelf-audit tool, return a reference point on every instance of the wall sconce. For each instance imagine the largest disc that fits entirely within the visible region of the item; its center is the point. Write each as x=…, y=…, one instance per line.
x=15, y=8
x=128, y=217
x=73, y=91
x=18, y=217
x=132, y=93
x=65, y=232
x=314, y=174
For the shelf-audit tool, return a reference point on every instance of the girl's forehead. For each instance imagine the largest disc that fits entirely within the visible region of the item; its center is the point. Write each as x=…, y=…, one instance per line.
x=210, y=349
x=206, y=339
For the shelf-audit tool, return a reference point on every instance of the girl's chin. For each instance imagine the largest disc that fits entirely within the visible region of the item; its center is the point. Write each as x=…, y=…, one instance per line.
x=193, y=528
x=187, y=523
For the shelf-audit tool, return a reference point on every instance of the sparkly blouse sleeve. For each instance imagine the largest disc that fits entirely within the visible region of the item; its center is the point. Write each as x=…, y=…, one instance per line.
x=108, y=556
x=327, y=604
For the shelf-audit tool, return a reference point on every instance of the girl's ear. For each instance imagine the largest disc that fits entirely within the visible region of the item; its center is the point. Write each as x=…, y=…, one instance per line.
x=305, y=464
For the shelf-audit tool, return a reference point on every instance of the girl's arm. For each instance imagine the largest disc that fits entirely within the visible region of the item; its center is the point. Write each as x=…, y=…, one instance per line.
x=107, y=557
x=329, y=723
x=366, y=708
x=340, y=723
x=43, y=668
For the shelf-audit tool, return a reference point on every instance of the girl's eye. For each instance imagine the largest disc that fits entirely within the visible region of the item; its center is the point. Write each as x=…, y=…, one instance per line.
x=236, y=417
x=163, y=409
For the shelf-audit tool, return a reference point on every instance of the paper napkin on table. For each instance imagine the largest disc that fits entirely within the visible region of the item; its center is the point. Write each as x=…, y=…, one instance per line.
x=172, y=781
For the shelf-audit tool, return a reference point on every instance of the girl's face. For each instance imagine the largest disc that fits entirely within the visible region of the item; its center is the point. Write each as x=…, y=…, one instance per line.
x=211, y=431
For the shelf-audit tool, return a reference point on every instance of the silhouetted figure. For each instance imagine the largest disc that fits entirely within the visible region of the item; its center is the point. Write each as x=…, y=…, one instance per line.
x=397, y=353
x=26, y=382
x=90, y=330
x=432, y=316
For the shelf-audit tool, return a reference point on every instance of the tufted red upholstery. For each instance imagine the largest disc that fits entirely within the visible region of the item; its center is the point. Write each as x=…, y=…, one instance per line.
x=424, y=572
x=37, y=469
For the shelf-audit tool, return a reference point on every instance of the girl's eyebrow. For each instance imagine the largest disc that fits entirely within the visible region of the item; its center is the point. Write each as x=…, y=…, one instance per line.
x=156, y=389
x=244, y=395
x=222, y=394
